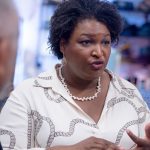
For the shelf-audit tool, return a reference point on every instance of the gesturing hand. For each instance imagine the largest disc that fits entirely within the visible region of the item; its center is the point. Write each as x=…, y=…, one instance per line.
x=142, y=144
x=94, y=143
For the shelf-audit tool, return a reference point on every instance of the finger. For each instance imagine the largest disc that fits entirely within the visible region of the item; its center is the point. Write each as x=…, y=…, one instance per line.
x=101, y=144
x=139, y=141
x=103, y=141
x=115, y=147
x=121, y=148
x=147, y=131
x=132, y=136
x=104, y=144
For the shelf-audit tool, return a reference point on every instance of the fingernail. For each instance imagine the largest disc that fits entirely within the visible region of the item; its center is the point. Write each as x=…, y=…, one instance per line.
x=128, y=131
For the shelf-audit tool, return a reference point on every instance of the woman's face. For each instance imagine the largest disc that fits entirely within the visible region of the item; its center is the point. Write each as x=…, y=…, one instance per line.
x=88, y=49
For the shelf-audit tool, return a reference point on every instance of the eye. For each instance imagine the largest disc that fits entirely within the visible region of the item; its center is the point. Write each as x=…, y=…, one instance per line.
x=85, y=42
x=106, y=43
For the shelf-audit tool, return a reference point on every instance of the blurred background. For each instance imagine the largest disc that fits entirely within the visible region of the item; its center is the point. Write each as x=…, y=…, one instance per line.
x=130, y=58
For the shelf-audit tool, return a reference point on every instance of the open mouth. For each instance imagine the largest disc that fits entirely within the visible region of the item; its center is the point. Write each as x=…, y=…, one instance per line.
x=97, y=65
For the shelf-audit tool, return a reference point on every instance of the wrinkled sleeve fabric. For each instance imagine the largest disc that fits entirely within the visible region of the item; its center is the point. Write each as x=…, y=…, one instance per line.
x=14, y=130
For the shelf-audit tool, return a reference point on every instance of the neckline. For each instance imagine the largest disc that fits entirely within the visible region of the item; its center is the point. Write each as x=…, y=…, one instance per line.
x=86, y=98
x=105, y=102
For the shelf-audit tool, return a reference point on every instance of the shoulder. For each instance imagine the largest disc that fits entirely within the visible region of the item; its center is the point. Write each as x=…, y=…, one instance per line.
x=41, y=80
x=29, y=92
x=120, y=81
x=127, y=91
x=124, y=87
x=47, y=79
x=125, y=82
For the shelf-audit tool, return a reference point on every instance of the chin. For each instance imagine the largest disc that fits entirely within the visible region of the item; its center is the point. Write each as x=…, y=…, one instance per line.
x=94, y=75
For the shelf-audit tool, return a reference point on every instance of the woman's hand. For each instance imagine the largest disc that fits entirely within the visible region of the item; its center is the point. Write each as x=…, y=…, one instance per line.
x=142, y=144
x=91, y=143
x=94, y=143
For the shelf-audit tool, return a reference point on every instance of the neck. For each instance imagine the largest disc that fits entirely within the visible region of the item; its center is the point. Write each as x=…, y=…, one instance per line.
x=80, y=98
x=72, y=80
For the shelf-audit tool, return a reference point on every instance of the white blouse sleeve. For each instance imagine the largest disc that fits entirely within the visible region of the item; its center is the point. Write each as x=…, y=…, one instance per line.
x=15, y=130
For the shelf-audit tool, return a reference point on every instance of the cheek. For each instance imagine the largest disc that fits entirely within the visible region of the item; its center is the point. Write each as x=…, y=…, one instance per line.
x=77, y=60
x=71, y=54
x=107, y=55
x=108, y=52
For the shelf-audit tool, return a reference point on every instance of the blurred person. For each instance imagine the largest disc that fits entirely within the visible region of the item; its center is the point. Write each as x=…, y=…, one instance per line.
x=1, y=146
x=79, y=104
x=8, y=47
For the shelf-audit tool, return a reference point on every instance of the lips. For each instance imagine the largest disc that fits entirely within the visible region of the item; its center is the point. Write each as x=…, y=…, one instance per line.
x=97, y=65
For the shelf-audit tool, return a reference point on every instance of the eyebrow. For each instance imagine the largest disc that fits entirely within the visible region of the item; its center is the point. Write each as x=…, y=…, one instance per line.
x=89, y=34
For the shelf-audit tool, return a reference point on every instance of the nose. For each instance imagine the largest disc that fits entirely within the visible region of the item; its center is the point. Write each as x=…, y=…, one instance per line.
x=97, y=51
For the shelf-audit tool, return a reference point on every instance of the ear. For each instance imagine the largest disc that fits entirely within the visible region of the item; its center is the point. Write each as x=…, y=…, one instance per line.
x=62, y=45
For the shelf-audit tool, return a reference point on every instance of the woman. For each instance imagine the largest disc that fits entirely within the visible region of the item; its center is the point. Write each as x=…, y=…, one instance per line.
x=79, y=104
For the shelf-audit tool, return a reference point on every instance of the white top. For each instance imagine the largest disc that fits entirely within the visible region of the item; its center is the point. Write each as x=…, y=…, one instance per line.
x=40, y=113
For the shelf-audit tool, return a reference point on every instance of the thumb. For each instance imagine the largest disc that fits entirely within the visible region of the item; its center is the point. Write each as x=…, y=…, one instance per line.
x=147, y=131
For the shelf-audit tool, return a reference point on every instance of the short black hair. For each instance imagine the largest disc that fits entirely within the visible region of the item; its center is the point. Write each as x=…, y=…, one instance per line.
x=71, y=12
